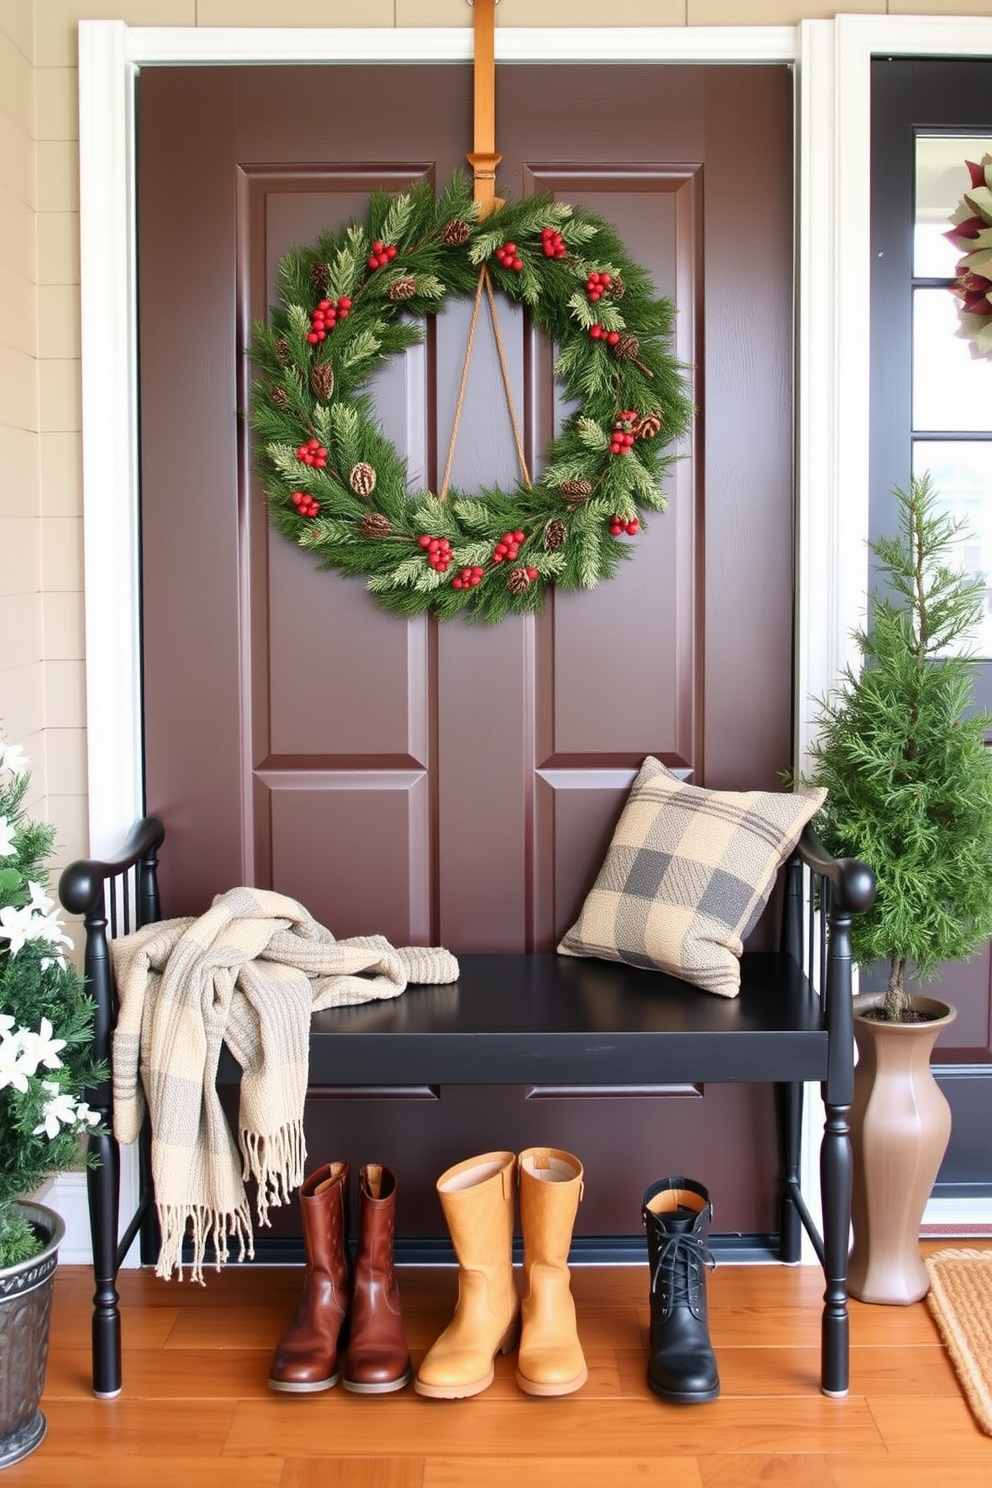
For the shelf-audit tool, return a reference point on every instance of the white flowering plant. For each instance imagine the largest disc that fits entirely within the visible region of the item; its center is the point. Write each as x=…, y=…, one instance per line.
x=46, y=1019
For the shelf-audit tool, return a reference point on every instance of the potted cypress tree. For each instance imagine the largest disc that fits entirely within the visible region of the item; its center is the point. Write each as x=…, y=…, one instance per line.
x=46, y=1065
x=901, y=752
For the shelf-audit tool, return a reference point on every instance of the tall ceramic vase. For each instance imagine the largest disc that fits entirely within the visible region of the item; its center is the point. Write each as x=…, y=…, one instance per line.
x=900, y=1128
x=25, y=1308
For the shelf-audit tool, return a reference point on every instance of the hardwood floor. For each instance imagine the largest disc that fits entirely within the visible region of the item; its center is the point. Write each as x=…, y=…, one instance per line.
x=196, y=1410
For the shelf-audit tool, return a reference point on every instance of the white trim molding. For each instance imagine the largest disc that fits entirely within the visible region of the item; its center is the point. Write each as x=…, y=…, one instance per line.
x=833, y=60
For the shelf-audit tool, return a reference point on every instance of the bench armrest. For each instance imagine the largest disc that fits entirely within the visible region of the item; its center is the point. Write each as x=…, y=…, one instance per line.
x=121, y=890
x=852, y=882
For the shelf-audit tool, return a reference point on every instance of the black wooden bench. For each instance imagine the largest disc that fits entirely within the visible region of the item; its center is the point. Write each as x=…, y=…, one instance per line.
x=522, y=1019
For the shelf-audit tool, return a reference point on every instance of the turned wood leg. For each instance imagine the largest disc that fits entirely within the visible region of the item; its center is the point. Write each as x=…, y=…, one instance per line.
x=103, y=1191
x=836, y=1166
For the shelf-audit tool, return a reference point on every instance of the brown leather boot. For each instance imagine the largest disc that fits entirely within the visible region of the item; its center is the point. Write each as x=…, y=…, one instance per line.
x=307, y=1356
x=377, y=1359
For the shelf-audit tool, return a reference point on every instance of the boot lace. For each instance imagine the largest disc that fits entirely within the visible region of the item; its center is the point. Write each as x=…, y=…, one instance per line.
x=679, y=1259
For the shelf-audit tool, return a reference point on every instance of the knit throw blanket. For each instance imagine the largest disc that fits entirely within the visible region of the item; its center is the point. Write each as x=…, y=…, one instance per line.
x=248, y=973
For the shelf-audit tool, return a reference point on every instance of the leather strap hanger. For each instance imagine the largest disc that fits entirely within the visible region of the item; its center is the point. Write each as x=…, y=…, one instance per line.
x=483, y=158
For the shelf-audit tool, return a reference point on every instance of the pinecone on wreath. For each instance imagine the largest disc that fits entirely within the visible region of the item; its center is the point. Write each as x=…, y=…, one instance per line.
x=322, y=380
x=649, y=426
x=402, y=289
x=627, y=349
x=455, y=233
x=374, y=524
x=576, y=490
x=279, y=396
x=319, y=277
x=554, y=535
x=518, y=581
x=362, y=479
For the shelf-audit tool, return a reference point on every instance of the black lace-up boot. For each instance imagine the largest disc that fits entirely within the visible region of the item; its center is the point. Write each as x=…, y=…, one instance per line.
x=682, y=1367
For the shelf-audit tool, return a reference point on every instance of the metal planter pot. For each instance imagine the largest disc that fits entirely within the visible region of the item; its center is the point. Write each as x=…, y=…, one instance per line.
x=25, y=1308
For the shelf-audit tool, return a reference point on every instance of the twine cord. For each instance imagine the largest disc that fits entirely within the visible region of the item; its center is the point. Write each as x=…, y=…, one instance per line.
x=485, y=284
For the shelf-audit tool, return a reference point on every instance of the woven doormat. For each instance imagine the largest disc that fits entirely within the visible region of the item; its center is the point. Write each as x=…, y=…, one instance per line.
x=960, y=1299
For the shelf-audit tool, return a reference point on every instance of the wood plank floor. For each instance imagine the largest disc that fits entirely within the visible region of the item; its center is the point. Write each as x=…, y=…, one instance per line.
x=195, y=1409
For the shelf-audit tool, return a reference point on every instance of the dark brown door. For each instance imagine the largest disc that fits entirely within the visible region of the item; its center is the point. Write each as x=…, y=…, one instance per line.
x=458, y=784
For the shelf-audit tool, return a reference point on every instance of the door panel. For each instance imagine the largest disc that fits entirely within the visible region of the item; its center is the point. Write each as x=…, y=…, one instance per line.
x=932, y=98
x=458, y=784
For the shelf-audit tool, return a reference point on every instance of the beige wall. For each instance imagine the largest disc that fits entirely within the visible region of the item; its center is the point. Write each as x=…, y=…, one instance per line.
x=42, y=681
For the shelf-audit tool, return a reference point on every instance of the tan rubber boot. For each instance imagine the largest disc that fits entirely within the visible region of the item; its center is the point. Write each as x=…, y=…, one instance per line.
x=477, y=1200
x=551, y=1361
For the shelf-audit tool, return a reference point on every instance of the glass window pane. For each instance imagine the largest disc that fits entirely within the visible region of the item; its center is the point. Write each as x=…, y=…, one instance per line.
x=952, y=390
x=962, y=473
x=941, y=179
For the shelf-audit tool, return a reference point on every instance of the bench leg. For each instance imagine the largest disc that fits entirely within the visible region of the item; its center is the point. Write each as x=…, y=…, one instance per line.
x=836, y=1167
x=790, y=1122
x=103, y=1184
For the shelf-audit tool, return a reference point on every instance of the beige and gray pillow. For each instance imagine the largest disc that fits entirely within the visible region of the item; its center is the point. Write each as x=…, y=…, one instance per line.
x=687, y=875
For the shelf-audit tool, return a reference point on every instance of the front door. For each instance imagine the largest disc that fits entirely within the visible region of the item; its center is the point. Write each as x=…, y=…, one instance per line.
x=931, y=412
x=458, y=784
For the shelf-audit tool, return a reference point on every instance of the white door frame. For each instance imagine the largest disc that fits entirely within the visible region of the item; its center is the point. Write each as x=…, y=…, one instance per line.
x=833, y=129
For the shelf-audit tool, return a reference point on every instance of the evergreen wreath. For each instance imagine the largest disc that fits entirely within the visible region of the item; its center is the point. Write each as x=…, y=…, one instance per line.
x=337, y=487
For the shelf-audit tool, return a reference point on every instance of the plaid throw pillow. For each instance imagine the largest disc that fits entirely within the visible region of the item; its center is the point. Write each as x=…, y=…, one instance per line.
x=686, y=877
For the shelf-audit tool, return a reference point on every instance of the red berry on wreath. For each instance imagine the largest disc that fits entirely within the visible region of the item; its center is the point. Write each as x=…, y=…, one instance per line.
x=509, y=257
x=597, y=285
x=312, y=453
x=633, y=526
x=552, y=243
x=382, y=253
x=305, y=504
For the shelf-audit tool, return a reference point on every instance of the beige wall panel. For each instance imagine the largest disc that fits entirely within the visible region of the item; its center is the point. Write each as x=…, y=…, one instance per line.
x=20, y=543
x=22, y=700
x=68, y=815
x=58, y=321
x=16, y=160
x=66, y=750
x=56, y=109
x=17, y=235
x=63, y=619
x=61, y=398
x=18, y=388
x=20, y=616
x=296, y=13
x=15, y=83
x=17, y=312
x=65, y=694
x=58, y=175
x=58, y=248
x=56, y=22
x=775, y=12
x=926, y=7
x=60, y=463
x=546, y=13
x=62, y=555
x=17, y=22
x=20, y=481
